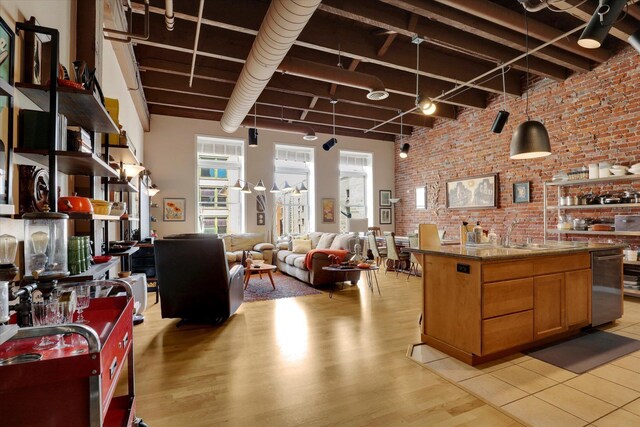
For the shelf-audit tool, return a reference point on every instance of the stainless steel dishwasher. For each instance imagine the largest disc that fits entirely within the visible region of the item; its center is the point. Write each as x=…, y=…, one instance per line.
x=606, y=286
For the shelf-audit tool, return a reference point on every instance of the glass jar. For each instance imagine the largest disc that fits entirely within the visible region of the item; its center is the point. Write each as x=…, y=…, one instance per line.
x=45, y=244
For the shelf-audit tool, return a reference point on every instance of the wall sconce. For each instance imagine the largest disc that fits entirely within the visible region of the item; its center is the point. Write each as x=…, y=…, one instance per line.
x=153, y=190
x=130, y=171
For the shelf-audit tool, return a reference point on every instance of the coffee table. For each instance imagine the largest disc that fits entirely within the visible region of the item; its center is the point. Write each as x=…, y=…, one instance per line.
x=259, y=268
x=368, y=271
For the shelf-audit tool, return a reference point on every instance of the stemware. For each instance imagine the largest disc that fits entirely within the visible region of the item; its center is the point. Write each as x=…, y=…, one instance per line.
x=83, y=296
x=44, y=313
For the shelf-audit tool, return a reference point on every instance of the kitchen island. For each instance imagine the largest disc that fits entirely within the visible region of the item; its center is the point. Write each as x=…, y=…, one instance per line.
x=483, y=303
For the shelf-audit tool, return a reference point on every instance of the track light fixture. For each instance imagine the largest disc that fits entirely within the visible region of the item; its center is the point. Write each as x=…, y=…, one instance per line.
x=303, y=188
x=237, y=185
x=260, y=186
x=253, y=137
x=426, y=105
x=404, y=153
x=333, y=141
x=634, y=40
x=423, y=102
x=605, y=15
x=246, y=188
x=503, y=115
x=274, y=188
x=286, y=187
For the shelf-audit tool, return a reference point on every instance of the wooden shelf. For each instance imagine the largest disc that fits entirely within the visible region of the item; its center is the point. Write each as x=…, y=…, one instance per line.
x=631, y=292
x=88, y=216
x=81, y=107
x=116, y=185
x=130, y=219
x=609, y=179
x=5, y=88
x=70, y=162
x=122, y=153
x=609, y=206
x=125, y=253
x=606, y=233
x=94, y=272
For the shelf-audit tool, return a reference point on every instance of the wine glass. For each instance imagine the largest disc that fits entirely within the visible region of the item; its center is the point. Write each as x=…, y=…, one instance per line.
x=42, y=313
x=83, y=296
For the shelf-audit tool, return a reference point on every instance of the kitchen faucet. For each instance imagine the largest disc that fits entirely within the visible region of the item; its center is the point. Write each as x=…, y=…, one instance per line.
x=507, y=238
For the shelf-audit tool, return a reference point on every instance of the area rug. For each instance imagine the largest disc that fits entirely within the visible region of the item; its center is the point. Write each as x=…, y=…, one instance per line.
x=587, y=352
x=286, y=287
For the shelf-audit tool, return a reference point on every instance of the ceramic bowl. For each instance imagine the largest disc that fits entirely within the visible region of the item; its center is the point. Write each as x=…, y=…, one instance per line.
x=618, y=172
x=123, y=274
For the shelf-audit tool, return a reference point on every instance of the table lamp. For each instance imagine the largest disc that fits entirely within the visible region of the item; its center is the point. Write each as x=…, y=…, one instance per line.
x=357, y=226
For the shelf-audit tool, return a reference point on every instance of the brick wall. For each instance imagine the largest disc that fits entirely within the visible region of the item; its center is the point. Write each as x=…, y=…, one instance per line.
x=590, y=117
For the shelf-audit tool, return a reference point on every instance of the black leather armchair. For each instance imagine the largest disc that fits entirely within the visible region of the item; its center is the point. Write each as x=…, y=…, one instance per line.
x=195, y=281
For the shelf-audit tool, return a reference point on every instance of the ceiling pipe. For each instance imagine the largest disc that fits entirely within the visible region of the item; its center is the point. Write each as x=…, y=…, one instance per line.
x=281, y=26
x=327, y=73
x=266, y=124
x=169, y=17
x=195, y=42
x=534, y=5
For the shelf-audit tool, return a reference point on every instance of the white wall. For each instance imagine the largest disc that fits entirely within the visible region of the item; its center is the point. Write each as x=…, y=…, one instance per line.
x=171, y=156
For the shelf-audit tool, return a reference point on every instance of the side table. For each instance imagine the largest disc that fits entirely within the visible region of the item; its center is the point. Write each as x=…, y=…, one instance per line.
x=368, y=271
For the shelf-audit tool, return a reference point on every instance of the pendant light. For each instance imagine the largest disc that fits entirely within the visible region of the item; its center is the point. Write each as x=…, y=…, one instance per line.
x=503, y=115
x=286, y=187
x=404, y=152
x=303, y=188
x=274, y=188
x=333, y=141
x=531, y=139
x=604, y=17
x=423, y=102
x=260, y=186
x=246, y=188
x=253, y=132
x=237, y=185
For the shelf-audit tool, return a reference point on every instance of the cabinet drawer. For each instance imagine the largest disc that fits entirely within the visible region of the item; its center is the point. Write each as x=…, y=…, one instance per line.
x=500, y=298
x=501, y=333
x=507, y=270
x=561, y=263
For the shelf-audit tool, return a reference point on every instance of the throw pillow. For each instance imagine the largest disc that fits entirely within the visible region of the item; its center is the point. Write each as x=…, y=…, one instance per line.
x=301, y=246
x=341, y=241
x=325, y=241
x=315, y=238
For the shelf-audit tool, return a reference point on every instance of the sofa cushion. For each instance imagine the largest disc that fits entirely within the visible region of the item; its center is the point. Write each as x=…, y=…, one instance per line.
x=315, y=238
x=299, y=262
x=325, y=241
x=291, y=259
x=341, y=241
x=263, y=247
x=245, y=241
x=254, y=255
x=301, y=246
x=283, y=254
x=231, y=257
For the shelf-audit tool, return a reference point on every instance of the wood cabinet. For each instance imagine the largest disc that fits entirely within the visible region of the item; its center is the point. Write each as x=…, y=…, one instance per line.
x=578, y=297
x=549, y=305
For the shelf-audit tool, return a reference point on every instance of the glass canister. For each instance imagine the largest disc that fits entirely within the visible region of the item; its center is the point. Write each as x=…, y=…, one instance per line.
x=45, y=244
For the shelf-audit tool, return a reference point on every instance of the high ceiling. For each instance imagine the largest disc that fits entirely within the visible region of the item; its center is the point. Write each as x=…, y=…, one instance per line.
x=462, y=40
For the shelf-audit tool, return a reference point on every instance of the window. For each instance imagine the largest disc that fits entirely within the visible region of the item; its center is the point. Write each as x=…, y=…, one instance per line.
x=219, y=165
x=293, y=209
x=356, y=187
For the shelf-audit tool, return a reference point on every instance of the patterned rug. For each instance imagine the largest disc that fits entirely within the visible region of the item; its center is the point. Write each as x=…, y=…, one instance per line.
x=286, y=287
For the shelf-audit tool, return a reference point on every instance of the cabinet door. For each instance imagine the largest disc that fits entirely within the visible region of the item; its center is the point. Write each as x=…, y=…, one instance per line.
x=578, y=297
x=548, y=305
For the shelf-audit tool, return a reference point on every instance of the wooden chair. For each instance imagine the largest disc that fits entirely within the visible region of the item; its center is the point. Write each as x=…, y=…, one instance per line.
x=398, y=258
x=375, y=230
x=429, y=236
x=414, y=242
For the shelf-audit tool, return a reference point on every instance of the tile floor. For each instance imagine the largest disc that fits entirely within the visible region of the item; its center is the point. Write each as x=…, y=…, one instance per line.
x=540, y=394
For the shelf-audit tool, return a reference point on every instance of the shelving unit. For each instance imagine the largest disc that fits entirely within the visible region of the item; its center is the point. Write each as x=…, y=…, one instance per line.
x=115, y=185
x=94, y=272
x=71, y=162
x=122, y=153
x=594, y=233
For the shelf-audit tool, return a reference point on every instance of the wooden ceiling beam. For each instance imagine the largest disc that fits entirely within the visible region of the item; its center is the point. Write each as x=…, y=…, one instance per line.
x=583, y=11
x=394, y=19
x=514, y=21
x=475, y=26
x=322, y=34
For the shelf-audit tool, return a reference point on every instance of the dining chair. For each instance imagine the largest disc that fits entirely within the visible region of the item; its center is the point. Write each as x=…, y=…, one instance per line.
x=376, y=231
x=378, y=253
x=429, y=235
x=414, y=242
x=398, y=258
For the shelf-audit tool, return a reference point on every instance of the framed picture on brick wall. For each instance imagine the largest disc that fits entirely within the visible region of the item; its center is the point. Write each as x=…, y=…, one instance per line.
x=476, y=192
x=521, y=192
x=385, y=215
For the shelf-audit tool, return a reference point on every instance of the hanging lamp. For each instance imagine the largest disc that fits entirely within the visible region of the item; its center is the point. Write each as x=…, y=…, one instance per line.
x=260, y=186
x=253, y=132
x=404, y=152
x=333, y=141
x=274, y=188
x=423, y=102
x=531, y=139
x=503, y=115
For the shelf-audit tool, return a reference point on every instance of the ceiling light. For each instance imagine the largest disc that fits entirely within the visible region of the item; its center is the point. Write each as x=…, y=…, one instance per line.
x=274, y=188
x=311, y=136
x=224, y=192
x=404, y=153
x=237, y=186
x=634, y=40
x=287, y=187
x=426, y=105
x=153, y=190
x=253, y=137
x=329, y=144
x=503, y=115
x=605, y=15
x=377, y=95
x=296, y=193
x=260, y=186
x=333, y=141
x=303, y=188
x=531, y=139
x=246, y=189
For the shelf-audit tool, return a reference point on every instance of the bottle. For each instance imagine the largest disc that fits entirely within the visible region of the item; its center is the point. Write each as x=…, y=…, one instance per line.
x=493, y=237
x=477, y=230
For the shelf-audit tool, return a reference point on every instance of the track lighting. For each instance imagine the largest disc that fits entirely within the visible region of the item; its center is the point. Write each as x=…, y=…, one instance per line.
x=246, y=189
x=260, y=186
x=404, y=153
x=286, y=187
x=253, y=137
x=605, y=15
x=237, y=186
x=634, y=40
x=274, y=188
x=224, y=192
x=329, y=144
x=503, y=115
x=426, y=105
x=303, y=188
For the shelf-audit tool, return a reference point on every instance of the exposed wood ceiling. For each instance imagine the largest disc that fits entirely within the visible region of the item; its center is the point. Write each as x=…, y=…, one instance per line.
x=463, y=39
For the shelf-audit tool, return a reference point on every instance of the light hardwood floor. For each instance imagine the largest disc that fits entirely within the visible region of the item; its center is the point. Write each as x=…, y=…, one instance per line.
x=300, y=361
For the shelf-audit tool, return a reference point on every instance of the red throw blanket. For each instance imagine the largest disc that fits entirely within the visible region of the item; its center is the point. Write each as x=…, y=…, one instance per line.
x=337, y=252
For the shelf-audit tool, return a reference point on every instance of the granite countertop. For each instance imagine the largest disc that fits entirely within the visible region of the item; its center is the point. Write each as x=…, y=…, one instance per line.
x=490, y=253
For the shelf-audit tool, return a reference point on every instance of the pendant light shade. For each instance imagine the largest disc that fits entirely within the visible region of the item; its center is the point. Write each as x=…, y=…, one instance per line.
x=303, y=188
x=329, y=144
x=530, y=140
x=426, y=105
x=296, y=192
x=253, y=137
x=260, y=186
x=605, y=15
x=274, y=188
x=286, y=187
x=404, y=153
x=237, y=186
x=224, y=192
x=246, y=189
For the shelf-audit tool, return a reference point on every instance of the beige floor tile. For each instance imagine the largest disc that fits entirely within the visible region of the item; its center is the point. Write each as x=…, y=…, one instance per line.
x=424, y=354
x=636, y=354
x=618, y=375
x=524, y=379
x=536, y=412
x=453, y=369
x=493, y=365
x=576, y=402
x=548, y=370
x=633, y=329
x=493, y=389
x=603, y=389
x=619, y=418
x=625, y=333
x=633, y=407
x=629, y=362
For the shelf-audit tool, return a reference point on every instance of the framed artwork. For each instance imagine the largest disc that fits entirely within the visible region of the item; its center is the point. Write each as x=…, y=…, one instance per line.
x=260, y=219
x=476, y=192
x=261, y=202
x=36, y=56
x=6, y=54
x=173, y=209
x=385, y=215
x=385, y=197
x=328, y=211
x=421, y=197
x=521, y=192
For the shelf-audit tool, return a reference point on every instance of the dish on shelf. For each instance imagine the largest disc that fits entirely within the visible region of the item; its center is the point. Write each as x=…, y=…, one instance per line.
x=116, y=249
x=101, y=259
x=74, y=204
x=618, y=172
x=101, y=207
x=127, y=243
x=601, y=227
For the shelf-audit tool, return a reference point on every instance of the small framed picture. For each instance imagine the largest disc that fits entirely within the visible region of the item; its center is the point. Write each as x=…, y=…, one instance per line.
x=385, y=197
x=385, y=215
x=421, y=197
x=173, y=209
x=328, y=211
x=260, y=219
x=521, y=192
